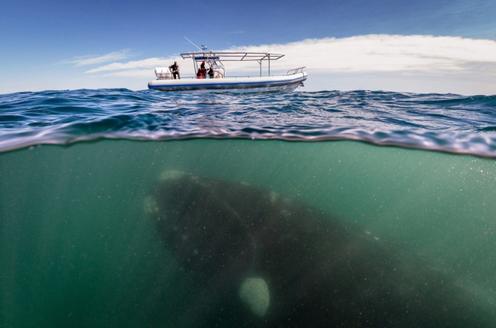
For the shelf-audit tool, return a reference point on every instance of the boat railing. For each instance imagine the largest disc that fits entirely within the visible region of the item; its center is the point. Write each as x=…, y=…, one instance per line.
x=296, y=70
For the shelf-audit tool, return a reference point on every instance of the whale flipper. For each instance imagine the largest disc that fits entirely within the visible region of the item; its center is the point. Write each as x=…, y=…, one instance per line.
x=254, y=292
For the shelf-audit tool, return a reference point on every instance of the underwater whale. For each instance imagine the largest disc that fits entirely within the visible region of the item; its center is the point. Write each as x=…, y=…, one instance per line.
x=261, y=260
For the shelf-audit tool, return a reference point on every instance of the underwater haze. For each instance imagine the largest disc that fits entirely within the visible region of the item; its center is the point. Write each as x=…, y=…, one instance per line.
x=199, y=210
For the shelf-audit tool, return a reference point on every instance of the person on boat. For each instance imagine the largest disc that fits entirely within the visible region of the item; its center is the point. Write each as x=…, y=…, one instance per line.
x=202, y=71
x=174, y=69
x=211, y=72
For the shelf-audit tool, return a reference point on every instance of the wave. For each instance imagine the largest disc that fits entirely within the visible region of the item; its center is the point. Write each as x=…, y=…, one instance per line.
x=442, y=122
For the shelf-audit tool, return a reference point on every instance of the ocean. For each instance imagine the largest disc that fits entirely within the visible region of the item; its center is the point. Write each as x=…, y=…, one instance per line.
x=147, y=209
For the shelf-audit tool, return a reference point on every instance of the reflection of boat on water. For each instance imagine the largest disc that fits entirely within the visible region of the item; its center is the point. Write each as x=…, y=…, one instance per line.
x=263, y=82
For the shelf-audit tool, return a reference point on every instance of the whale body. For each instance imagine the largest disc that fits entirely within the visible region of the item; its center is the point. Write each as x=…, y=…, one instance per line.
x=261, y=260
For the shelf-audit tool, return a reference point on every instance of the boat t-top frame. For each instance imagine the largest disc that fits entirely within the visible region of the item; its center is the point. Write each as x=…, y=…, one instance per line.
x=215, y=58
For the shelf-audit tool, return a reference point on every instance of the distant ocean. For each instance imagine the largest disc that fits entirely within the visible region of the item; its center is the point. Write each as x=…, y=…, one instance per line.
x=80, y=245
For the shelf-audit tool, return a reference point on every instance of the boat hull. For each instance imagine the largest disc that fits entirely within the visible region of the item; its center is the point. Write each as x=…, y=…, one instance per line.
x=250, y=84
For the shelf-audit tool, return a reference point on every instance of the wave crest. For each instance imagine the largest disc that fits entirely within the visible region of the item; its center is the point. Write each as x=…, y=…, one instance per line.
x=442, y=122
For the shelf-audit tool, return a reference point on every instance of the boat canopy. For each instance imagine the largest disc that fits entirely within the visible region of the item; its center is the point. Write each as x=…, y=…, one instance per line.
x=231, y=56
x=215, y=58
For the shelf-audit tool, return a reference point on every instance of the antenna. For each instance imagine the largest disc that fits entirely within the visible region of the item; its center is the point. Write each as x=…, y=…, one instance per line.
x=194, y=44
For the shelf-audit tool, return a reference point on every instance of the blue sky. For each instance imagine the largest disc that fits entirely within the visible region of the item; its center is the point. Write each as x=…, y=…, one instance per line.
x=46, y=36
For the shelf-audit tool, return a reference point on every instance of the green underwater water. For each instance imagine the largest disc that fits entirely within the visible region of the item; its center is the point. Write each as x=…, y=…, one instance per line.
x=77, y=249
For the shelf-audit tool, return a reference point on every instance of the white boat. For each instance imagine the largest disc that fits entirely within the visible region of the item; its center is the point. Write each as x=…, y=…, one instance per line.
x=219, y=81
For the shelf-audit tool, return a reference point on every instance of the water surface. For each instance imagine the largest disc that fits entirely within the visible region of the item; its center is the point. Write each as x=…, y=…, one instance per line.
x=443, y=122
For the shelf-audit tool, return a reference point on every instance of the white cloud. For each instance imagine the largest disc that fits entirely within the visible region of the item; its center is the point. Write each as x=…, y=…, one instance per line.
x=100, y=59
x=133, y=73
x=416, y=63
x=384, y=53
x=148, y=63
x=359, y=54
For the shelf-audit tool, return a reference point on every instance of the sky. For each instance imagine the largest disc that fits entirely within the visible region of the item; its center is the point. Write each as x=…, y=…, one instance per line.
x=397, y=45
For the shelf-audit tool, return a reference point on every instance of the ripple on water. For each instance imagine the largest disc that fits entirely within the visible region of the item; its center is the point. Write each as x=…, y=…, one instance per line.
x=443, y=122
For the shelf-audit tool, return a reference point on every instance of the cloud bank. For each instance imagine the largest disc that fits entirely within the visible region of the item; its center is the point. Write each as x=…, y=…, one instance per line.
x=387, y=53
x=359, y=54
x=147, y=64
x=417, y=63
x=100, y=59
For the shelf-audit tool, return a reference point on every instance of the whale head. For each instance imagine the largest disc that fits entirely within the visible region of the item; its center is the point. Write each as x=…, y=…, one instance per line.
x=204, y=232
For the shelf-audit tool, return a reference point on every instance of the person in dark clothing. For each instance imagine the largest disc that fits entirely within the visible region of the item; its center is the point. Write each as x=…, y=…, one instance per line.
x=211, y=72
x=174, y=69
x=202, y=71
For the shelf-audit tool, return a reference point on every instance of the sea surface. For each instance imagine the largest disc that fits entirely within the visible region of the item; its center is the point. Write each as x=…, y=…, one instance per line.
x=444, y=122
x=410, y=176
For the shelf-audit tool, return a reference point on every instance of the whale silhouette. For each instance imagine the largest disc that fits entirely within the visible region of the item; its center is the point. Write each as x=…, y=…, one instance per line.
x=261, y=260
